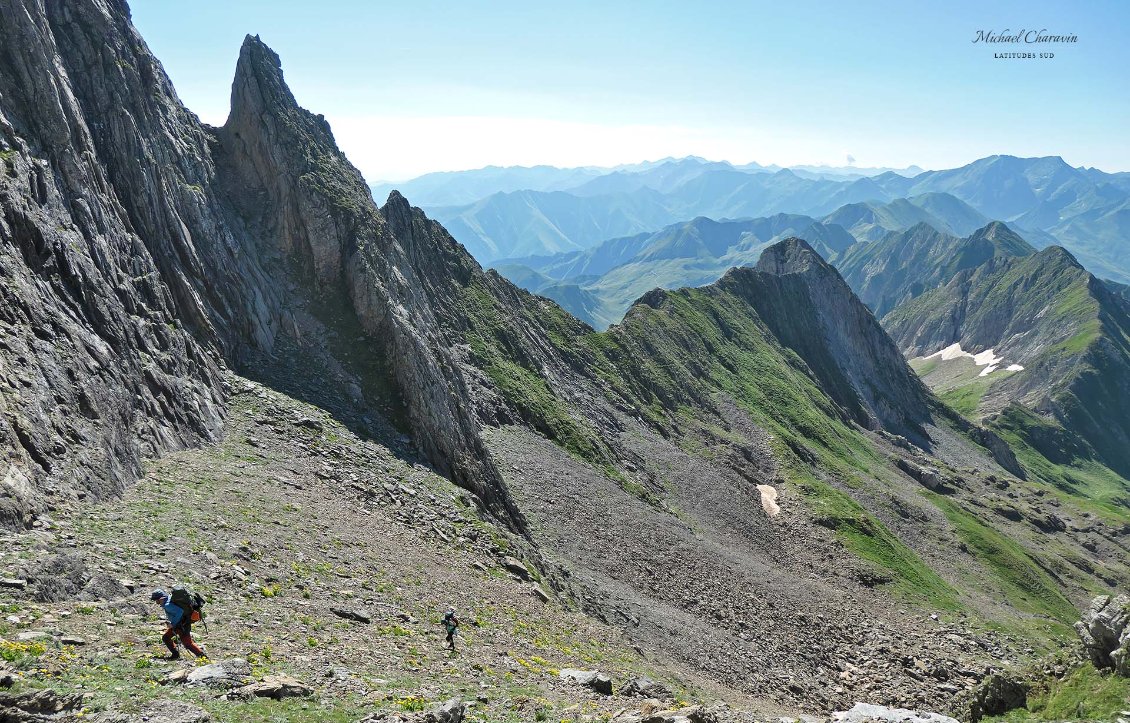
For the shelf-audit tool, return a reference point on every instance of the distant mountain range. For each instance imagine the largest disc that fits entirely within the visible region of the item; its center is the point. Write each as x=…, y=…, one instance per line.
x=453, y=188
x=509, y=213
x=599, y=284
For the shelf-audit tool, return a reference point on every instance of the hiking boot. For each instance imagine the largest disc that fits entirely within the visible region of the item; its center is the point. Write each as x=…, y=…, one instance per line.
x=174, y=655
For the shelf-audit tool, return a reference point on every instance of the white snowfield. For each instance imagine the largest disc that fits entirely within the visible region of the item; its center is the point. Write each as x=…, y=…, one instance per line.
x=987, y=359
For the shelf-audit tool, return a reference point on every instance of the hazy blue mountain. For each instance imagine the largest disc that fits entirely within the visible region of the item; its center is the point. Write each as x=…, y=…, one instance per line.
x=451, y=188
x=599, y=284
x=1084, y=209
x=871, y=221
x=663, y=177
x=1044, y=199
x=508, y=225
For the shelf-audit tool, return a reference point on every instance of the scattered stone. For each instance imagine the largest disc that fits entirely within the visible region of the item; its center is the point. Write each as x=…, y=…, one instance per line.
x=451, y=711
x=352, y=614
x=309, y=423
x=14, y=583
x=597, y=681
x=158, y=711
x=72, y=640
x=30, y=705
x=645, y=687
x=275, y=687
x=539, y=593
x=104, y=587
x=516, y=566
x=695, y=714
x=31, y=635
x=59, y=578
x=230, y=673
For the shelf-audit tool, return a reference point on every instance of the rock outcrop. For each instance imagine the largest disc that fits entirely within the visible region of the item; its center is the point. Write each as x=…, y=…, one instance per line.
x=141, y=251
x=1105, y=632
x=99, y=363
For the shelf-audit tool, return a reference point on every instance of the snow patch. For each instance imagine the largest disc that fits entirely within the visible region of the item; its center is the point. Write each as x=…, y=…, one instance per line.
x=769, y=500
x=987, y=359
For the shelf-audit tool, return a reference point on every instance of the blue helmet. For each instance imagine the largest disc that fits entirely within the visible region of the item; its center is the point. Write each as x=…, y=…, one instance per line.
x=157, y=595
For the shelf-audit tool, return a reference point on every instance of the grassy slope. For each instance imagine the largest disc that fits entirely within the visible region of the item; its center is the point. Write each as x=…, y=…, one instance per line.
x=306, y=555
x=704, y=343
x=1084, y=694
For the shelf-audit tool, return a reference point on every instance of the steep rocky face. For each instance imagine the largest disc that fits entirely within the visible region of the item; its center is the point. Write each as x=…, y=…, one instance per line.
x=97, y=363
x=286, y=177
x=157, y=247
x=903, y=265
x=842, y=341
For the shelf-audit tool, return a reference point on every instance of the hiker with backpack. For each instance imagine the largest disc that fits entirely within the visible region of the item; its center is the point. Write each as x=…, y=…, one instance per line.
x=182, y=609
x=451, y=624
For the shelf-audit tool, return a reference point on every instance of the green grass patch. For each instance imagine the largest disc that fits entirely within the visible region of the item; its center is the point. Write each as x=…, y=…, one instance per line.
x=867, y=538
x=1050, y=454
x=1026, y=586
x=1084, y=694
x=966, y=398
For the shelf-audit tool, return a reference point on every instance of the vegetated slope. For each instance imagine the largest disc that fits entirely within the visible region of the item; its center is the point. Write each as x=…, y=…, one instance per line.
x=322, y=557
x=630, y=460
x=1067, y=330
x=903, y=265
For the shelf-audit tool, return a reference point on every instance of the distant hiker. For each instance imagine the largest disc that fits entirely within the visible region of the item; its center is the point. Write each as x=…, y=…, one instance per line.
x=181, y=610
x=451, y=624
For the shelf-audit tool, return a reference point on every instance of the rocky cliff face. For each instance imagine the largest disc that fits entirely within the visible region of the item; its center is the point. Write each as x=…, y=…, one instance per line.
x=842, y=341
x=101, y=358
x=293, y=188
x=145, y=249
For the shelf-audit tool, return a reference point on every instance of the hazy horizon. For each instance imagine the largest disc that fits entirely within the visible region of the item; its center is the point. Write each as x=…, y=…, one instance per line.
x=431, y=86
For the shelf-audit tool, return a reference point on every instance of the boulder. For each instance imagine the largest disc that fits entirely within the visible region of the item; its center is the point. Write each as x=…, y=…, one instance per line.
x=59, y=578
x=230, y=673
x=694, y=714
x=867, y=713
x=359, y=616
x=997, y=694
x=158, y=711
x=597, y=681
x=275, y=687
x=34, y=704
x=645, y=687
x=1105, y=632
x=516, y=566
x=104, y=587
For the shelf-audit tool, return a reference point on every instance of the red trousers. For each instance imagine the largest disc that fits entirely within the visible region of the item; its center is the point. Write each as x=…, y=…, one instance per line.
x=185, y=635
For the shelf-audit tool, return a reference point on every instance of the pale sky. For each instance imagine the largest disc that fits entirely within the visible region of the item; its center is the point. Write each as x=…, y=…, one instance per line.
x=410, y=88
